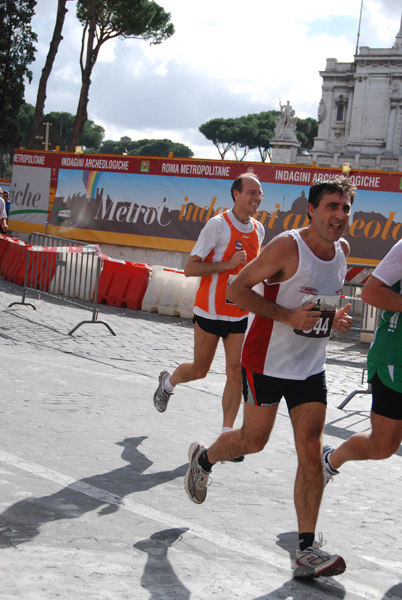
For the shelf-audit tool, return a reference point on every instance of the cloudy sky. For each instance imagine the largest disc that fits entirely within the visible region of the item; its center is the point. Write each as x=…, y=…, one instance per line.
x=227, y=58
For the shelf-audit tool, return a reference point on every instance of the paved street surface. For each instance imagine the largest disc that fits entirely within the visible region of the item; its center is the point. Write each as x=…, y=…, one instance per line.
x=92, y=499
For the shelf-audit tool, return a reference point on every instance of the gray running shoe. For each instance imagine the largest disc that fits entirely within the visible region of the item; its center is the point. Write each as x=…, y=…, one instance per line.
x=196, y=479
x=329, y=472
x=313, y=562
x=161, y=396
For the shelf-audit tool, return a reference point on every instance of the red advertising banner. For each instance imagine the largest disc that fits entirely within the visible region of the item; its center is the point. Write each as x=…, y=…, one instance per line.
x=164, y=202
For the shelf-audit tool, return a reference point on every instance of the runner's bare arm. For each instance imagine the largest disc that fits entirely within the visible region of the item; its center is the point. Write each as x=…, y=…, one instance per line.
x=195, y=267
x=345, y=247
x=277, y=262
x=378, y=294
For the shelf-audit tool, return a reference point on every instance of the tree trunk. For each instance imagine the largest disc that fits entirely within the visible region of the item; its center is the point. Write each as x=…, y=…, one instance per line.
x=86, y=71
x=47, y=69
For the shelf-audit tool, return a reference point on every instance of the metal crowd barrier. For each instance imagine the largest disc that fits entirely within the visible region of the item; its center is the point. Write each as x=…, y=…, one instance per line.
x=355, y=392
x=67, y=273
x=43, y=239
x=365, y=317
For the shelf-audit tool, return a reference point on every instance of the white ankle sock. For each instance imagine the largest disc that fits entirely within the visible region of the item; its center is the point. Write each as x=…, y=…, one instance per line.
x=224, y=429
x=332, y=468
x=168, y=386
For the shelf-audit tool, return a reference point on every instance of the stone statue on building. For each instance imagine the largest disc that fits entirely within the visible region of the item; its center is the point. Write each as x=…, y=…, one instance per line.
x=322, y=111
x=285, y=123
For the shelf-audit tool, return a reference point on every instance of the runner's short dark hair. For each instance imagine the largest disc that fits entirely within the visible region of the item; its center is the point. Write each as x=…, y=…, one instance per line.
x=338, y=184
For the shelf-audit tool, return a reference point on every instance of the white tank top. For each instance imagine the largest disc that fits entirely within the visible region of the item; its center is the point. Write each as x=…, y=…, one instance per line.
x=275, y=349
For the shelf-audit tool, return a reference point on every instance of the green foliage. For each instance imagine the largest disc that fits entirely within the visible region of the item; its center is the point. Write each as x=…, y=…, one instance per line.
x=142, y=19
x=147, y=148
x=17, y=51
x=246, y=133
x=113, y=147
x=91, y=137
x=266, y=131
x=306, y=131
x=253, y=131
x=161, y=148
x=219, y=132
x=25, y=121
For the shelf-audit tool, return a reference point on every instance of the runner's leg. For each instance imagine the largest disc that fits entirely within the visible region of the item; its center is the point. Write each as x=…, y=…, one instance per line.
x=232, y=393
x=381, y=442
x=205, y=345
x=250, y=438
x=308, y=423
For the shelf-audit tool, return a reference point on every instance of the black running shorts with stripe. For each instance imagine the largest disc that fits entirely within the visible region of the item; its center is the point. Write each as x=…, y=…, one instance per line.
x=263, y=390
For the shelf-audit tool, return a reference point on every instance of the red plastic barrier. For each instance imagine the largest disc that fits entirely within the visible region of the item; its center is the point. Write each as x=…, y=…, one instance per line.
x=4, y=246
x=13, y=262
x=122, y=283
x=42, y=267
x=5, y=249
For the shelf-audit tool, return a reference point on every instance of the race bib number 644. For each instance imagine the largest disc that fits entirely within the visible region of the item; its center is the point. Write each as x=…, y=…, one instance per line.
x=327, y=306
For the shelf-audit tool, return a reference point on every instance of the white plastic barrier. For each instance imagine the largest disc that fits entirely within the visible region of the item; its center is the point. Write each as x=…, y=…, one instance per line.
x=186, y=300
x=170, y=293
x=154, y=291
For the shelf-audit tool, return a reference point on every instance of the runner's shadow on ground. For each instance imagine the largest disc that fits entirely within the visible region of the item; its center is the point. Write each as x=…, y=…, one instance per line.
x=394, y=592
x=316, y=589
x=159, y=578
x=347, y=424
x=22, y=521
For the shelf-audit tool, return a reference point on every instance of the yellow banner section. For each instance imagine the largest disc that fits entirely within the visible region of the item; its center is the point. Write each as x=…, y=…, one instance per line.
x=25, y=226
x=122, y=239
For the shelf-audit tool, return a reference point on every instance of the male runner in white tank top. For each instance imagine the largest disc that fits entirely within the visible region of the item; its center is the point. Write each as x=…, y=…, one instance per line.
x=291, y=291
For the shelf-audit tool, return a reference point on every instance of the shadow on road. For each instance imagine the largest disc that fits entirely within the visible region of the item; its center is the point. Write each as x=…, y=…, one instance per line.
x=394, y=592
x=22, y=521
x=159, y=578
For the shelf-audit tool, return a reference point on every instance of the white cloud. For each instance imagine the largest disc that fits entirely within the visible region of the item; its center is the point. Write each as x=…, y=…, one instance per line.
x=227, y=58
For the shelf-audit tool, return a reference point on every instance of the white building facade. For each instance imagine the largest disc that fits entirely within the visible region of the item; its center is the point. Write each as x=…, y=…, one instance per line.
x=360, y=113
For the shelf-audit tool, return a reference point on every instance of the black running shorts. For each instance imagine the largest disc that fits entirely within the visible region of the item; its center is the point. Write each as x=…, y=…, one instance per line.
x=221, y=328
x=386, y=402
x=263, y=390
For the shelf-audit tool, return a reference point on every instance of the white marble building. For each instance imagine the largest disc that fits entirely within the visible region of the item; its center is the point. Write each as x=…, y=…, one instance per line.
x=360, y=113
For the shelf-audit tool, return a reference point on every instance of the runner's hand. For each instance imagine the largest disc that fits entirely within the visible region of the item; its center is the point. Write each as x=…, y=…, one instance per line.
x=304, y=317
x=343, y=321
x=238, y=258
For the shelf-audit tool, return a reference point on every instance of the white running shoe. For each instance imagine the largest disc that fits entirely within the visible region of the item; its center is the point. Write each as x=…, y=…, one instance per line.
x=313, y=562
x=329, y=471
x=161, y=396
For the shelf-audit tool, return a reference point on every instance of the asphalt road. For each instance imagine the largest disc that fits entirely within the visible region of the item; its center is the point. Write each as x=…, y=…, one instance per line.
x=92, y=502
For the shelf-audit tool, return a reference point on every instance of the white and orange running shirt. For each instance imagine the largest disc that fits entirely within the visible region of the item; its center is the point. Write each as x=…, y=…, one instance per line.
x=220, y=238
x=275, y=349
